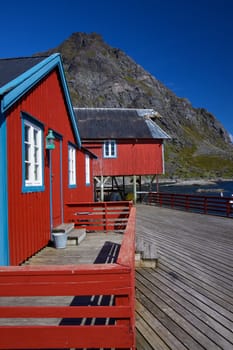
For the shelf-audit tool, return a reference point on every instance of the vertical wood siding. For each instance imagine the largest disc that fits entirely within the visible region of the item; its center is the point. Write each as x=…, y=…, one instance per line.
x=134, y=157
x=29, y=213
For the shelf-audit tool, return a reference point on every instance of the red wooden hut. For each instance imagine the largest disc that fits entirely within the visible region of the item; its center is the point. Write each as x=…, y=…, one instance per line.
x=43, y=165
x=43, y=169
x=127, y=142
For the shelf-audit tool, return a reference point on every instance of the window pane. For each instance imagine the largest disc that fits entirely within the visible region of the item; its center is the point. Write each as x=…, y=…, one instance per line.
x=107, y=148
x=26, y=150
x=27, y=171
x=36, y=153
x=112, y=148
x=26, y=133
x=32, y=155
x=72, y=165
x=36, y=170
x=35, y=137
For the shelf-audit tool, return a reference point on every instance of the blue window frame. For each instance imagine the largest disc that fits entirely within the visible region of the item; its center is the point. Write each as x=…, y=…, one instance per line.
x=32, y=154
x=110, y=149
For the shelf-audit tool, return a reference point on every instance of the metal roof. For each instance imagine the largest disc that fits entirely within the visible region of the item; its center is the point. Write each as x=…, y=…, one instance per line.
x=19, y=75
x=118, y=123
x=11, y=68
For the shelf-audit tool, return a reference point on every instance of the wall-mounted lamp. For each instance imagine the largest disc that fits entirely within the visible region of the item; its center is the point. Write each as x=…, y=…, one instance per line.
x=50, y=140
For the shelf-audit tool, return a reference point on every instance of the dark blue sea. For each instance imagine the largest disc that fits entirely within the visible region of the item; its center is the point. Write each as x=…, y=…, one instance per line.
x=212, y=189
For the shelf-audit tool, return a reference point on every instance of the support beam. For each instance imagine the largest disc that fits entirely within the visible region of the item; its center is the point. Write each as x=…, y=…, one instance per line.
x=101, y=188
x=101, y=181
x=114, y=178
x=134, y=189
x=157, y=182
x=123, y=181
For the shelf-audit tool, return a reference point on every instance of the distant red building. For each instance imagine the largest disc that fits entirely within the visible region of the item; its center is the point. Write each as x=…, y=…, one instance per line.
x=127, y=142
x=37, y=182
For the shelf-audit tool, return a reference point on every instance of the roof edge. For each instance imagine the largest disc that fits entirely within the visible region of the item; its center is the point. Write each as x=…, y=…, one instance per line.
x=162, y=134
x=16, y=88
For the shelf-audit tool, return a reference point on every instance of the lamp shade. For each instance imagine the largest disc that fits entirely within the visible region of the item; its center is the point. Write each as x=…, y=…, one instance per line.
x=50, y=140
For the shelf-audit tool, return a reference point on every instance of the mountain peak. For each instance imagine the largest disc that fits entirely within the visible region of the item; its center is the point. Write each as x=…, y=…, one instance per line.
x=82, y=39
x=99, y=75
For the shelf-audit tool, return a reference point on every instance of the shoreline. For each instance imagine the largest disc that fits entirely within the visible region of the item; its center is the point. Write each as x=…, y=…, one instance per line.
x=193, y=182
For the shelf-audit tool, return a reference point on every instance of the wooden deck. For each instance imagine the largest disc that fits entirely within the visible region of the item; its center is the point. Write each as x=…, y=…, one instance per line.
x=187, y=301
x=85, y=253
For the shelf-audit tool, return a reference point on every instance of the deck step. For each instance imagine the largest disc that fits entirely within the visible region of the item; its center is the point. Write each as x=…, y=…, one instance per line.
x=76, y=236
x=65, y=228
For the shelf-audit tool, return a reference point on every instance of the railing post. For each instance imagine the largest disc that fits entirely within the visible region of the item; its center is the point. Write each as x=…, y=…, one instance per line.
x=106, y=217
x=187, y=202
x=172, y=200
x=228, y=208
x=160, y=199
x=205, y=205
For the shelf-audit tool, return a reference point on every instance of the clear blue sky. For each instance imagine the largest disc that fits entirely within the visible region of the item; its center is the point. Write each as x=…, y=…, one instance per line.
x=186, y=44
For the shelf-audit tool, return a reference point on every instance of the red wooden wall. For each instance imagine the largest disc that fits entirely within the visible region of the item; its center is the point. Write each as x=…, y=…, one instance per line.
x=29, y=213
x=134, y=157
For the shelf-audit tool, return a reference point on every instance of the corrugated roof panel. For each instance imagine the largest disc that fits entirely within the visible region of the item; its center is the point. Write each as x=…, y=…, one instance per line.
x=11, y=68
x=117, y=123
x=156, y=131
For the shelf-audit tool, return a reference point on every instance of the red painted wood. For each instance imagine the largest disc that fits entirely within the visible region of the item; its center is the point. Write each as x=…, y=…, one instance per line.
x=56, y=272
x=134, y=157
x=127, y=251
x=99, y=279
x=127, y=258
x=56, y=185
x=67, y=289
x=212, y=205
x=100, y=216
x=67, y=336
x=28, y=213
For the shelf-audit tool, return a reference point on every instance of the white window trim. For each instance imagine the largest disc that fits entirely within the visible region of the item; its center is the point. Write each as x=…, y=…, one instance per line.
x=72, y=166
x=33, y=177
x=110, y=149
x=87, y=169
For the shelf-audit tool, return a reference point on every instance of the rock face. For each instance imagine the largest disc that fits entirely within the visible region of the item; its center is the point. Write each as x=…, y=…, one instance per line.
x=101, y=76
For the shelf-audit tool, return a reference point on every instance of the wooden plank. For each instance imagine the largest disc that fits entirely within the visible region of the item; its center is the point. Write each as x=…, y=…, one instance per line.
x=217, y=303
x=65, y=336
x=158, y=328
x=192, y=309
x=141, y=341
x=191, y=291
x=64, y=311
x=155, y=342
x=169, y=319
x=207, y=265
x=215, y=288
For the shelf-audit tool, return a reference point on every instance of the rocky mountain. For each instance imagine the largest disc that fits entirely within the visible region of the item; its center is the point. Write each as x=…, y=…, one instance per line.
x=99, y=75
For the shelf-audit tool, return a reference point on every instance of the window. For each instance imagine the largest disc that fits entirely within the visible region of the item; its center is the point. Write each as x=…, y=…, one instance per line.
x=87, y=169
x=32, y=156
x=110, y=149
x=72, y=165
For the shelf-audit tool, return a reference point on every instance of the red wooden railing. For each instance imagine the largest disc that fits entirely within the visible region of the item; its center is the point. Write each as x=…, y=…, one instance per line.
x=100, y=216
x=40, y=283
x=212, y=205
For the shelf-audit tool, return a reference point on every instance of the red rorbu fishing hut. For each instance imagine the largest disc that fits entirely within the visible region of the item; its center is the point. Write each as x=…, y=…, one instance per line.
x=127, y=142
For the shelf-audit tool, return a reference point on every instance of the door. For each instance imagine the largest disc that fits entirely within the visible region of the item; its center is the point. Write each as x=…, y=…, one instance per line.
x=56, y=188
